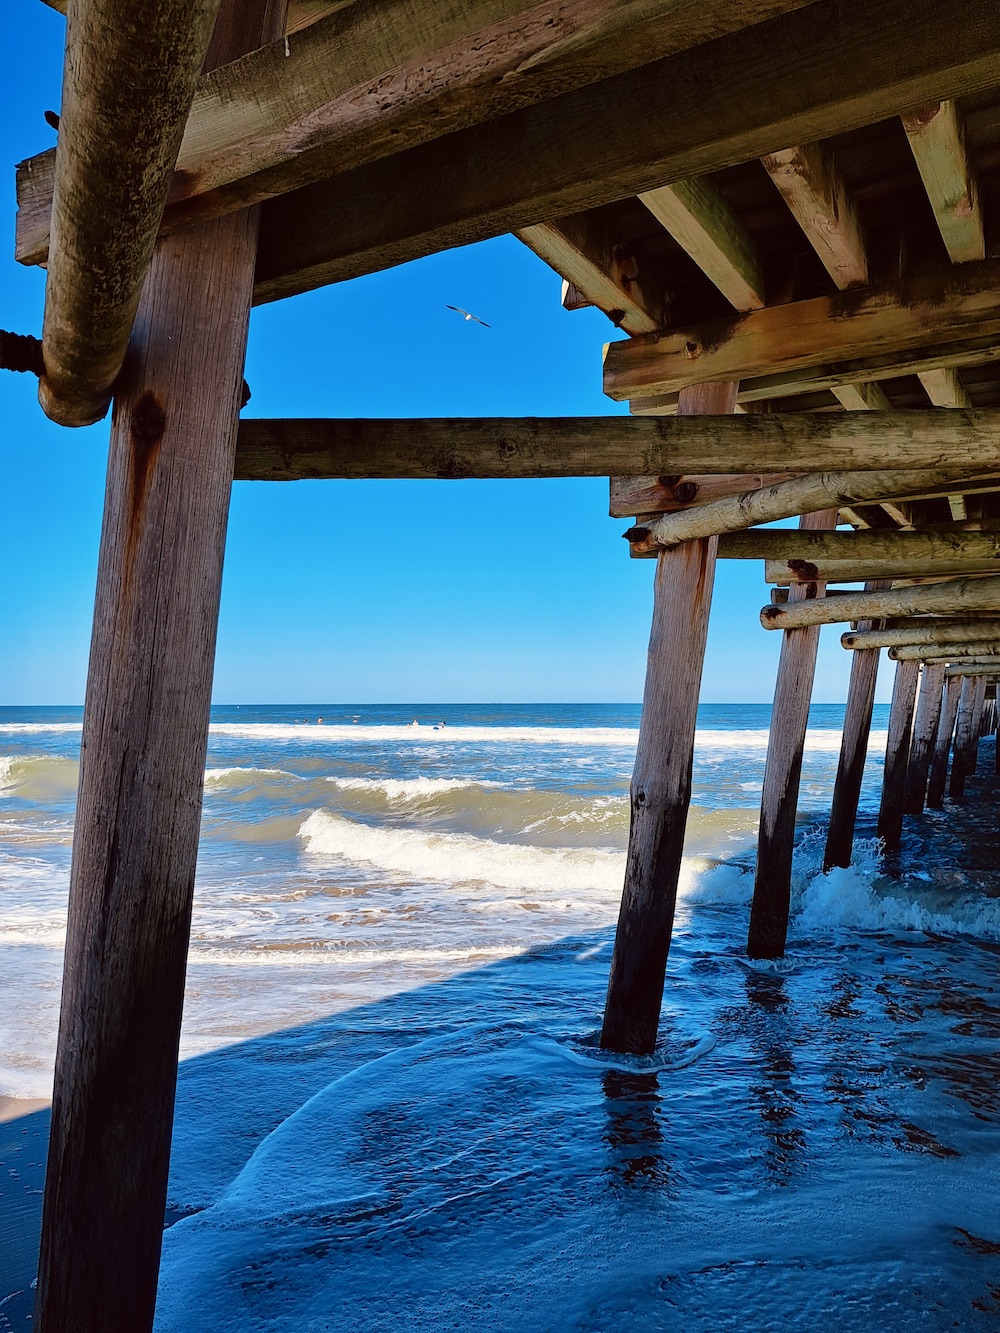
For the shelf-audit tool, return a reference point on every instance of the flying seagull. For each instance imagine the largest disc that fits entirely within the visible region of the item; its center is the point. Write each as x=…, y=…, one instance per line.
x=465, y=314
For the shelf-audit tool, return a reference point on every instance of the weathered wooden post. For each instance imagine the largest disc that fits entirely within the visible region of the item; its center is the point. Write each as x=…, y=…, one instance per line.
x=942, y=744
x=142, y=764
x=783, y=770
x=661, y=780
x=963, y=737
x=897, y=754
x=924, y=731
x=853, y=747
x=978, y=704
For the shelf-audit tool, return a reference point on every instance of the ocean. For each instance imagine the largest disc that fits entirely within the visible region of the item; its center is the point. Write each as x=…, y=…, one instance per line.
x=392, y=1110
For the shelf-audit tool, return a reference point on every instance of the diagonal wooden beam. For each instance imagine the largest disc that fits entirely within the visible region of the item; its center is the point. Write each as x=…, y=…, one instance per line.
x=734, y=99
x=811, y=185
x=937, y=137
x=605, y=272
x=962, y=302
x=956, y=595
x=702, y=223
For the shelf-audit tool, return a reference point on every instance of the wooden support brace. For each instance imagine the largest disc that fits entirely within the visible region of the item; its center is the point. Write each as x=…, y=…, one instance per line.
x=661, y=781
x=954, y=596
x=942, y=743
x=853, y=753
x=925, y=725
x=782, y=772
x=943, y=630
x=145, y=735
x=897, y=754
x=947, y=652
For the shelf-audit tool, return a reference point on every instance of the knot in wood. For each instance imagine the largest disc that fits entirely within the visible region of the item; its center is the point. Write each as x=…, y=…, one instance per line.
x=692, y=350
x=686, y=491
x=636, y=534
x=805, y=569
x=148, y=421
x=639, y=796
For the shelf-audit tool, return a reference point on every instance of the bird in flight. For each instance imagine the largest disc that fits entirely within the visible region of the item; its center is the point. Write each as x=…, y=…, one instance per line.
x=466, y=316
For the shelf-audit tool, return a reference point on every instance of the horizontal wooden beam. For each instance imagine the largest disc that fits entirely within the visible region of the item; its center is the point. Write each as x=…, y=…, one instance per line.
x=800, y=495
x=300, y=14
x=945, y=630
x=370, y=81
x=961, y=302
x=956, y=595
x=801, y=547
x=669, y=493
x=762, y=446
x=786, y=572
x=841, y=375
x=721, y=103
x=944, y=652
x=974, y=669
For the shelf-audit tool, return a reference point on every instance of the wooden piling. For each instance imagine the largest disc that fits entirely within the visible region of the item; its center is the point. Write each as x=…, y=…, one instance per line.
x=897, y=754
x=924, y=731
x=963, y=737
x=942, y=743
x=661, y=780
x=782, y=772
x=142, y=767
x=853, y=749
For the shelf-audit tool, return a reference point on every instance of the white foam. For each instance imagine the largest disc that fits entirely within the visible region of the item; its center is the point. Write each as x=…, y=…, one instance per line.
x=461, y=858
x=324, y=732
x=408, y=789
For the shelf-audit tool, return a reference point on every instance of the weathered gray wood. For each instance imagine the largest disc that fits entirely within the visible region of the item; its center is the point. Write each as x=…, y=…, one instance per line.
x=897, y=754
x=811, y=548
x=925, y=724
x=308, y=447
x=661, y=780
x=960, y=303
x=782, y=773
x=853, y=753
x=961, y=763
x=372, y=80
x=670, y=492
x=799, y=495
x=945, y=652
x=957, y=595
x=142, y=768
x=118, y=141
x=989, y=670
x=945, y=630
x=942, y=743
x=784, y=572
x=725, y=102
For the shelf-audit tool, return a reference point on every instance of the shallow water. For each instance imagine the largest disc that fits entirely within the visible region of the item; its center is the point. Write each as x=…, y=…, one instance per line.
x=392, y=1111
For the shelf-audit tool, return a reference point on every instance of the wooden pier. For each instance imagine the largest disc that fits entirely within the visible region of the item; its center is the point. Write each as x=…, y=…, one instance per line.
x=783, y=208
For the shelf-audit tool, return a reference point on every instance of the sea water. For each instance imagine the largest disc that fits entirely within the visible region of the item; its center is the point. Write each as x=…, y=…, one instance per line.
x=393, y=1112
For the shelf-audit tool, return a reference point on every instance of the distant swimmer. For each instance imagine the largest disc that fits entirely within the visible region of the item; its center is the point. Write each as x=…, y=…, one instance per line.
x=355, y=719
x=319, y=721
x=414, y=723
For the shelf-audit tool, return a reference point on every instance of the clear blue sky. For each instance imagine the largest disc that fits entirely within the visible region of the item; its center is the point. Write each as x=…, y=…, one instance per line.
x=365, y=591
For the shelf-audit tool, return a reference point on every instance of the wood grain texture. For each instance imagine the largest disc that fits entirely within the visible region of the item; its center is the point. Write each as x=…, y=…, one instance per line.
x=669, y=493
x=142, y=767
x=937, y=137
x=938, y=776
x=842, y=375
x=925, y=724
x=897, y=754
x=858, y=571
x=805, y=549
x=702, y=223
x=371, y=80
x=721, y=103
x=960, y=302
x=962, y=763
x=301, y=13
x=118, y=141
x=946, y=652
x=944, y=388
x=956, y=595
x=782, y=774
x=839, y=848
x=809, y=181
x=799, y=495
x=660, y=791
x=760, y=445
x=945, y=630
x=604, y=272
